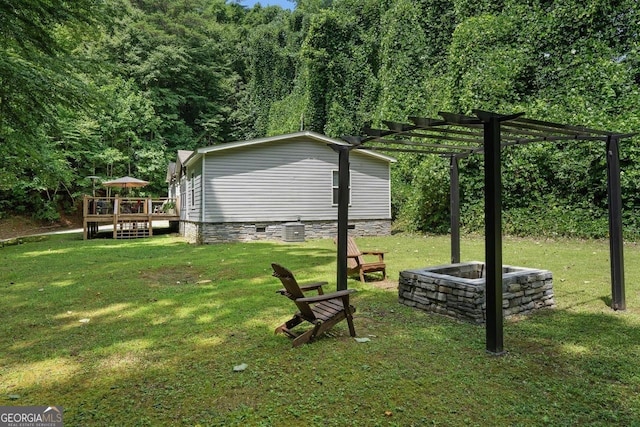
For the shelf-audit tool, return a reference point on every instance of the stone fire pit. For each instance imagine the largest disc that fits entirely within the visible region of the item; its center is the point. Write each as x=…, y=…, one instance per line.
x=458, y=290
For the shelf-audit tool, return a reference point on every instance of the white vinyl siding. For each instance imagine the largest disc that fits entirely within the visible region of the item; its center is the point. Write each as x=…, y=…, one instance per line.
x=370, y=187
x=287, y=180
x=194, y=191
x=335, y=186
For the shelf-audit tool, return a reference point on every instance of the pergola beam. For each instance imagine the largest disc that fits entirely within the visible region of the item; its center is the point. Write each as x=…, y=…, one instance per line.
x=459, y=119
x=539, y=129
x=372, y=134
x=416, y=150
x=488, y=133
x=399, y=127
x=442, y=137
x=424, y=122
x=530, y=131
x=523, y=141
x=460, y=148
x=380, y=134
x=559, y=126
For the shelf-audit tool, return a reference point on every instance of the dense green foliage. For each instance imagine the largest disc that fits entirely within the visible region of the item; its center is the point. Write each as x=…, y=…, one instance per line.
x=84, y=95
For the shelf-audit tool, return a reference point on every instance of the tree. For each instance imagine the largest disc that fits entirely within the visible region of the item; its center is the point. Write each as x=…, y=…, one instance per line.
x=40, y=71
x=179, y=56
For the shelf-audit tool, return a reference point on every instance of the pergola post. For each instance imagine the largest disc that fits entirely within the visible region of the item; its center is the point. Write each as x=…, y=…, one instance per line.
x=343, y=215
x=493, y=234
x=454, y=201
x=614, y=195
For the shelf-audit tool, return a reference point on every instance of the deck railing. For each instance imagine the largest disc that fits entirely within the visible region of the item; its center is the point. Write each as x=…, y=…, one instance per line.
x=109, y=206
x=131, y=216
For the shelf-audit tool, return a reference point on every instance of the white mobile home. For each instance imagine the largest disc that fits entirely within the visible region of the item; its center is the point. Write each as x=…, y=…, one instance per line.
x=257, y=189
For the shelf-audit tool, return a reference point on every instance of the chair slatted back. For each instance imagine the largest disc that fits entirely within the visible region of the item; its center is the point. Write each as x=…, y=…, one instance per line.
x=352, y=251
x=293, y=290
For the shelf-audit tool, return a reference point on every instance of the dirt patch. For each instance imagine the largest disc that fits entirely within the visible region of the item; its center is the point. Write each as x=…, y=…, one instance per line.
x=386, y=284
x=21, y=226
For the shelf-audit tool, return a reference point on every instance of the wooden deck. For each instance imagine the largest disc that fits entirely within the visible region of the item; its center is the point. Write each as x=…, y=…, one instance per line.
x=132, y=218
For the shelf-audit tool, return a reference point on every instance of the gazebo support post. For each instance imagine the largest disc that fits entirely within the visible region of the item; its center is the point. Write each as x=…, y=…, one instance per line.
x=615, y=224
x=493, y=234
x=343, y=215
x=454, y=199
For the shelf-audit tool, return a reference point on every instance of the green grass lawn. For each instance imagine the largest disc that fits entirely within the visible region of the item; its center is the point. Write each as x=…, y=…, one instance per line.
x=168, y=321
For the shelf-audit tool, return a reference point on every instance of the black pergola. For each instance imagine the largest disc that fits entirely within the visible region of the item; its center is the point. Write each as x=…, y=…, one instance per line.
x=457, y=136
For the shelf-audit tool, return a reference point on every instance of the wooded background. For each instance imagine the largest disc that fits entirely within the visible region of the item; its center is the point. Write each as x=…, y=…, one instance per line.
x=116, y=87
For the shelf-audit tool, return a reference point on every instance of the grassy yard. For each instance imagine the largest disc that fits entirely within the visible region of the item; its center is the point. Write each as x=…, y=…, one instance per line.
x=167, y=322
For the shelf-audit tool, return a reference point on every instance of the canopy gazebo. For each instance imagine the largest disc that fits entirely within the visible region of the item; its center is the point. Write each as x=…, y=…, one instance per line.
x=126, y=183
x=485, y=133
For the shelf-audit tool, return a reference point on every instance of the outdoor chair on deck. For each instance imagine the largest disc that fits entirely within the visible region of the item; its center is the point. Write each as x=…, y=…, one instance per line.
x=356, y=263
x=323, y=311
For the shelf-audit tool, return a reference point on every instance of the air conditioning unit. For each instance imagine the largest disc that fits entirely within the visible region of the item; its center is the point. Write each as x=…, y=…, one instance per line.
x=293, y=232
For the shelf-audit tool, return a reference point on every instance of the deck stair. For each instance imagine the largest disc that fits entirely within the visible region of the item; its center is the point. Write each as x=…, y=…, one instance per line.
x=131, y=229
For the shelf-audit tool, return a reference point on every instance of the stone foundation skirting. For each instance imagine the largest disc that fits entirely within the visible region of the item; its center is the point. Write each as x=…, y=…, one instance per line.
x=192, y=231
x=197, y=232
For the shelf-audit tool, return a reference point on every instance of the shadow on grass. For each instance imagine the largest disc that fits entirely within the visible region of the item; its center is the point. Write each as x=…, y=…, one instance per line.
x=148, y=317
x=584, y=361
x=607, y=300
x=167, y=323
x=562, y=367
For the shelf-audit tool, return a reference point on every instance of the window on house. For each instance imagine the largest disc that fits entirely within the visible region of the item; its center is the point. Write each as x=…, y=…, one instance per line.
x=193, y=191
x=335, y=179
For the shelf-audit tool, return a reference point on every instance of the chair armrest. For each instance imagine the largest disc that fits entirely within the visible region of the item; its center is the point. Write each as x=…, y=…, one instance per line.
x=312, y=286
x=306, y=287
x=326, y=297
x=380, y=254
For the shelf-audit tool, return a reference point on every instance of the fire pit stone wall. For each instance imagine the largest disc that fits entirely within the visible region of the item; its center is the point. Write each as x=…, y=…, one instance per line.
x=458, y=290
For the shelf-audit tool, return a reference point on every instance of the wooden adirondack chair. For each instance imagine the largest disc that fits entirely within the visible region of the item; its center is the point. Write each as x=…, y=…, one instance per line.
x=356, y=263
x=323, y=311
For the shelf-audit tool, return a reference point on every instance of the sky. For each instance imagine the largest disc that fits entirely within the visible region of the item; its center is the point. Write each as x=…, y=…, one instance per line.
x=285, y=4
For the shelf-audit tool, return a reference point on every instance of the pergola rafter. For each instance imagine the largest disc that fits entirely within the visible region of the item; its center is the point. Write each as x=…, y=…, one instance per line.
x=411, y=150
x=486, y=133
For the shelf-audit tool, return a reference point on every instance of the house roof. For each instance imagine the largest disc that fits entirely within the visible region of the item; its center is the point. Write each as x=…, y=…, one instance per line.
x=183, y=155
x=298, y=136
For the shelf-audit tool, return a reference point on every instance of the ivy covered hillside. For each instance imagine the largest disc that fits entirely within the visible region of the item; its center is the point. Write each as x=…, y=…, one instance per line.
x=116, y=87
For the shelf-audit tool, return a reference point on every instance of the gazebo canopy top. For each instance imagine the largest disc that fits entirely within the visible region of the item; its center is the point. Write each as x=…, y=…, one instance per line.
x=126, y=182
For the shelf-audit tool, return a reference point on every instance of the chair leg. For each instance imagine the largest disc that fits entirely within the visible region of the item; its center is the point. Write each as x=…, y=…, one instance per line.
x=348, y=311
x=289, y=324
x=361, y=276
x=307, y=336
